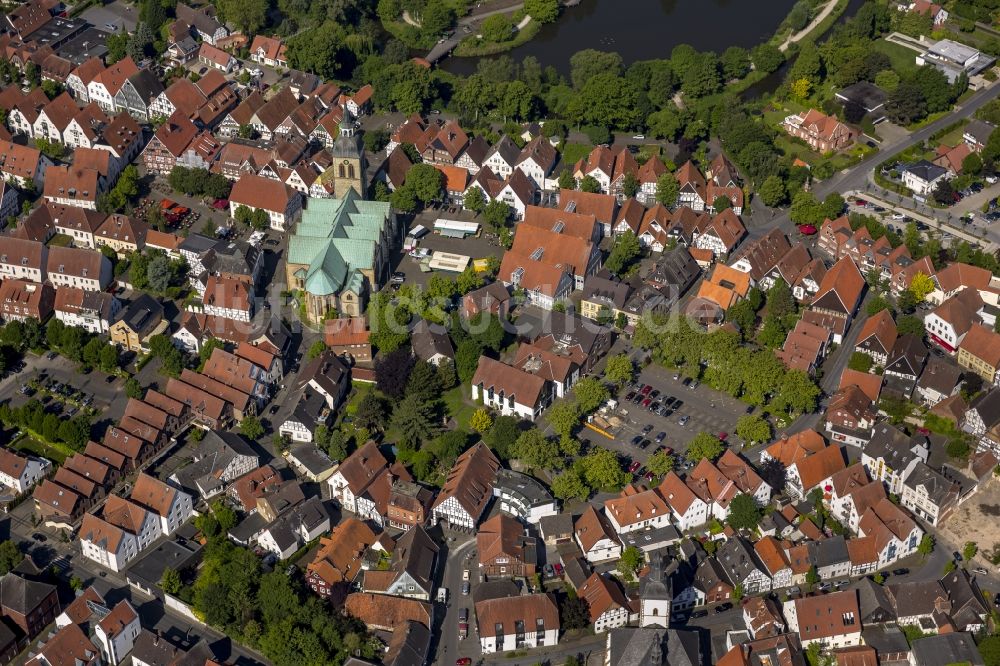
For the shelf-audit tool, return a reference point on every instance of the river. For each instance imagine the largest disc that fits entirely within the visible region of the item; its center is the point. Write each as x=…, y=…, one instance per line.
x=645, y=29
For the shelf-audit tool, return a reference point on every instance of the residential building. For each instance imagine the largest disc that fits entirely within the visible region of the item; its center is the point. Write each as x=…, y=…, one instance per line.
x=411, y=569
x=609, y=607
x=823, y=133
x=505, y=550
x=339, y=559
x=833, y=620
x=27, y=603
x=512, y=623
x=923, y=177
x=891, y=453
x=877, y=337
x=77, y=267
x=979, y=352
x=141, y=319
x=282, y=204
x=21, y=300
x=23, y=165
x=467, y=489
x=509, y=390
x=929, y=494
x=949, y=323
x=595, y=536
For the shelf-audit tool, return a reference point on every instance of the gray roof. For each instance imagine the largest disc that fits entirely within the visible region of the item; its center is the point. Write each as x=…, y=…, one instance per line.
x=560, y=524
x=937, y=485
x=197, y=243
x=987, y=406
x=649, y=646
x=866, y=95
x=197, y=18
x=893, y=445
x=236, y=257
x=885, y=638
x=597, y=288
x=415, y=554
x=676, y=268
x=873, y=601
x=939, y=375
x=829, y=551
x=507, y=148
x=409, y=645
x=22, y=595
x=143, y=314
x=310, y=410
x=176, y=554
x=530, y=488
x=967, y=603
x=309, y=514
x=954, y=648
x=980, y=130
x=248, y=527
x=146, y=84
x=907, y=356
x=429, y=340
x=655, y=585
x=738, y=559
x=315, y=461
x=916, y=597
x=327, y=370
x=215, y=453
x=926, y=171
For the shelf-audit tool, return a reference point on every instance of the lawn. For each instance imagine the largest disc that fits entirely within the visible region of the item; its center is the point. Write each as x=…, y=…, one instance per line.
x=575, y=151
x=459, y=406
x=54, y=452
x=60, y=240
x=954, y=136
x=903, y=59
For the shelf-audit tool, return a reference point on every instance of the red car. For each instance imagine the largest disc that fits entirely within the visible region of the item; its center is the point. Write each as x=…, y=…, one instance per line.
x=807, y=229
x=464, y=661
x=647, y=402
x=723, y=436
x=634, y=467
x=646, y=390
x=650, y=476
x=558, y=568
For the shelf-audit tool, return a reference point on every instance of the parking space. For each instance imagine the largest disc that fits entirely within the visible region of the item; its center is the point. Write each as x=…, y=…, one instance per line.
x=702, y=409
x=116, y=15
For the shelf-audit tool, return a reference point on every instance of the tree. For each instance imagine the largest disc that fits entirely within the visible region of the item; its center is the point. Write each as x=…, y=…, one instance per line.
x=704, y=445
x=496, y=28
x=170, y=581
x=590, y=394
x=767, y=58
x=877, y=304
x=392, y=372
x=536, y=452
x=414, y=419
x=906, y=103
x=10, y=556
x=564, y=416
x=772, y=191
x=667, y=189
x=251, y=427
x=774, y=473
x=543, y=11
x=570, y=485
x=812, y=576
x=625, y=250
x=371, y=413
x=133, y=389
x=316, y=349
x=805, y=209
x=425, y=181
x=503, y=435
x=475, y=200
x=861, y=362
x=796, y=393
x=601, y=470
x=467, y=359
x=921, y=285
x=910, y=325
x=590, y=184
x=481, y=421
x=497, y=213
x=660, y=463
x=574, y=613
x=753, y=428
x=630, y=562
x=887, y=80
x=588, y=63
x=743, y=512
x=619, y=370
x=631, y=185
x=969, y=550
x=247, y=15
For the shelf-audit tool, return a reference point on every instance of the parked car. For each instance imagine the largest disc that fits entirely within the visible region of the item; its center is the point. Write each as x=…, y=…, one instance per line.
x=981, y=571
x=703, y=613
x=465, y=588
x=636, y=440
x=634, y=467
x=723, y=436
x=647, y=402
x=722, y=608
x=644, y=444
x=629, y=396
x=558, y=568
x=655, y=407
x=463, y=615
x=646, y=429
x=660, y=436
x=683, y=420
x=693, y=385
x=646, y=390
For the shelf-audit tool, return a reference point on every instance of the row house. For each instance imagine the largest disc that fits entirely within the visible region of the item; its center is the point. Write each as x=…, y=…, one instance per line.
x=814, y=470
x=839, y=295
x=90, y=310
x=178, y=142
x=929, y=494
x=596, y=537
x=105, y=85
x=282, y=204
x=717, y=484
x=273, y=113
x=877, y=337
x=802, y=272
x=759, y=257
x=241, y=116
x=896, y=534
x=721, y=234
x=21, y=300
x=949, y=323
x=774, y=560
x=979, y=352
x=77, y=267
x=851, y=494
x=517, y=191
x=467, y=489
x=608, y=166
x=361, y=484
x=22, y=165
x=891, y=454
x=742, y=567
x=512, y=623
x=23, y=259
x=136, y=93
x=79, y=79
x=23, y=108
x=906, y=363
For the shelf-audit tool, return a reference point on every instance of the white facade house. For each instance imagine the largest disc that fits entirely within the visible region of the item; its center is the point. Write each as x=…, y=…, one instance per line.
x=923, y=177
x=596, y=538
x=513, y=623
x=509, y=390
x=20, y=473
x=111, y=545
x=117, y=632
x=93, y=311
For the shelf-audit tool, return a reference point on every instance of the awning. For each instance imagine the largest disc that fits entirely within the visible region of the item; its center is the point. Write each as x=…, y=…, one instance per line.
x=452, y=233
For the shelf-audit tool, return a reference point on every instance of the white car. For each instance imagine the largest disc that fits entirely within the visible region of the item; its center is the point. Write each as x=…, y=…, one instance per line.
x=465, y=574
x=639, y=137
x=111, y=26
x=256, y=71
x=898, y=216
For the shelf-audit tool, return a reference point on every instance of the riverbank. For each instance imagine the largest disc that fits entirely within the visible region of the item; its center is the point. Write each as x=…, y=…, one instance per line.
x=822, y=22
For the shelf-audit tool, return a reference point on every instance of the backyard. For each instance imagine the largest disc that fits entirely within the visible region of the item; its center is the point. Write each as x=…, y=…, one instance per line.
x=57, y=453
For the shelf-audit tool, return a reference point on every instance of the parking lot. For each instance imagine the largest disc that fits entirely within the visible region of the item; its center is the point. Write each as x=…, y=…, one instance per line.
x=58, y=370
x=117, y=14
x=703, y=410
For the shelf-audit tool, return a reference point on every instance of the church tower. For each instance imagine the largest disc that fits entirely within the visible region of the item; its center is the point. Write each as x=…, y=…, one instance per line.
x=347, y=170
x=655, y=595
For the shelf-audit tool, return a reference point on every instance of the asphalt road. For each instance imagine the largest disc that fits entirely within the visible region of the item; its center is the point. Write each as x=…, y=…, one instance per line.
x=459, y=556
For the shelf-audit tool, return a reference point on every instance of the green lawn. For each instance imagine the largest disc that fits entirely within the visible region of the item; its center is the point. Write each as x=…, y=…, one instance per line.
x=954, y=136
x=54, y=452
x=573, y=152
x=60, y=240
x=459, y=405
x=903, y=59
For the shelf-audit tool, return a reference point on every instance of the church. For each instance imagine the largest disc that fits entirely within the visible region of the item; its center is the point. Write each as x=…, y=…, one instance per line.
x=347, y=170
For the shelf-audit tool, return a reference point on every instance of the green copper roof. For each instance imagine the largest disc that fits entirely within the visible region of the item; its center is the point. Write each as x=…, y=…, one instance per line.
x=336, y=238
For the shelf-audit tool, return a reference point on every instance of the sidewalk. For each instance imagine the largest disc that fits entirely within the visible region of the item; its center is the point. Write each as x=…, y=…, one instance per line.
x=830, y=6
